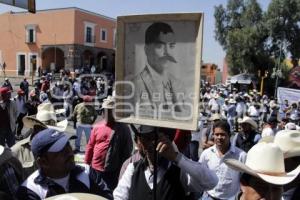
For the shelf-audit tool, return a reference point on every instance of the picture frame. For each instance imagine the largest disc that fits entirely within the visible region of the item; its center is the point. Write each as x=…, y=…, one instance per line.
x=158, y=61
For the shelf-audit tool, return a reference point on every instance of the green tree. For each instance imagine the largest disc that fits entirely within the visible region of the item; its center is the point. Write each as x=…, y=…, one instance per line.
x=240, y=31
x=282, y=23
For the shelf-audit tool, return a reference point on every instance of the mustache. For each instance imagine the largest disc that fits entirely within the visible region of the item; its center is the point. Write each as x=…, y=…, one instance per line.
x=169, y=58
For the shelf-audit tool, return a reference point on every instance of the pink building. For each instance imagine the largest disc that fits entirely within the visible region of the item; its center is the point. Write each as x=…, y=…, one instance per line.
x=54, y=39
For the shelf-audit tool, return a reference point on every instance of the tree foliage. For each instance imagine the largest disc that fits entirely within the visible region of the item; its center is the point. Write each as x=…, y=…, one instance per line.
x=282, y=20
x=252, y=38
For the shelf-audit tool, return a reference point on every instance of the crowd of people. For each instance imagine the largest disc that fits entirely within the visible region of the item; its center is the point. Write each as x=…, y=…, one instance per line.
x=246, y=146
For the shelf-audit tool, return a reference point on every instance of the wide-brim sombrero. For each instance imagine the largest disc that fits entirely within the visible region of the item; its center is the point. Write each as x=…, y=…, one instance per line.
x=276, y=179
x=76, y=196
x=31, y=121
x=265, y=161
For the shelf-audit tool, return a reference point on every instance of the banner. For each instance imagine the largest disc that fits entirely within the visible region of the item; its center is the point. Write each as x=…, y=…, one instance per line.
x=292, y=95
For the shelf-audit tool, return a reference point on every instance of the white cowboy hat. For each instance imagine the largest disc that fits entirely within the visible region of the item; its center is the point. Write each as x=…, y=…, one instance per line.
x=294, y=116
x=1, y=149
x=231, y=101
x=109, y=102
x=289, y=142
x=45, y=113
x=215, y=96
x=265, y=161
x=76, y=196
x=214, y=117
x=248, y=120
x=290, y=126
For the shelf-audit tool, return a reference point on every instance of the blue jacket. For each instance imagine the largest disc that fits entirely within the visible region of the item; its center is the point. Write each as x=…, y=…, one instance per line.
x=37, y=186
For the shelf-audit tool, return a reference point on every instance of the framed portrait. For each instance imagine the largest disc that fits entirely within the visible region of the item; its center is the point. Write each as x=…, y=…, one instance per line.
x=158, y=63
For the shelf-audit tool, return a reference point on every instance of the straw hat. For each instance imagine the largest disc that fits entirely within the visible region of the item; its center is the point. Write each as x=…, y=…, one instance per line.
x=248, y=120
x=214, y=117
x=231, y=101
x=76, y=196
x=290, y=126
x=294, y=116
x=109, y=103
x=265, y=161
x=215, y=96
x=45, y=113
x=289, y=142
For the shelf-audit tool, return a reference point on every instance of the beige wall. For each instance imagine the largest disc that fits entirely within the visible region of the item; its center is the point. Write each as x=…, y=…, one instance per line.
x=54, y=27
x=109, y=25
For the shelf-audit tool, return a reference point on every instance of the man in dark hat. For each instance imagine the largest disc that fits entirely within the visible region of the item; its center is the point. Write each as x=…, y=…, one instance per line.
x=57, y=172
x=176, y=174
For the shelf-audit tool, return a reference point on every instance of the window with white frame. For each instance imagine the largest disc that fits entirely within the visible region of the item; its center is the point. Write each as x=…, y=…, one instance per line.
x=88, y=37
x=89, y=30
x=103, y=35
x=30, y=33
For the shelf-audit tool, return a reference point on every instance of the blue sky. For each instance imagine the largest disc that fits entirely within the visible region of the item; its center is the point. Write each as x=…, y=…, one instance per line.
x=212, y=51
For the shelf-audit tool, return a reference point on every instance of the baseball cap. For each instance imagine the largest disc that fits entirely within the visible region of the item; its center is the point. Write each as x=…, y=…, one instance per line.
x=49, y=140
x=4, y=90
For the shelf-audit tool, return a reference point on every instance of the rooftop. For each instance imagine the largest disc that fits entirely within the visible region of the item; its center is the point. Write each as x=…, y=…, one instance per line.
x=67, y=8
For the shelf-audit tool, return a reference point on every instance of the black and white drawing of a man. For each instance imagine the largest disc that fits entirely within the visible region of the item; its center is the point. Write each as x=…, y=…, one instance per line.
x=157, y=91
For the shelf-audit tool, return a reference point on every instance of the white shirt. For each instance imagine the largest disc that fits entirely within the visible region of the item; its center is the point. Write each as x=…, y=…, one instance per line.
x=253, y=112
x=214, y=105
x=195, y=177
x=240, y=108
x=229, y=179
x=267, y=132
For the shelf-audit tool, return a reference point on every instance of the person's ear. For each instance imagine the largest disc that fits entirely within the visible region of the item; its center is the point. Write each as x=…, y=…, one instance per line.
x=146, y=49
x=42, y=162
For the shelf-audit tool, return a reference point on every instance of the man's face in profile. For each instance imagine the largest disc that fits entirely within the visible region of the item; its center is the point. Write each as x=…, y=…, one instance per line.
x=160, y=52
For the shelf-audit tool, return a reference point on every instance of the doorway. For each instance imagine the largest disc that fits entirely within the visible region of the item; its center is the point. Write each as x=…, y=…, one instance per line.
x=32, y=64
x=21, y=64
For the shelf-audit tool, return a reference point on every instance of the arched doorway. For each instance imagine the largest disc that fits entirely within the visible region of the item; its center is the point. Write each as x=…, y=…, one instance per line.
x=53, y=59
x=87, y=58
x=101, y=62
